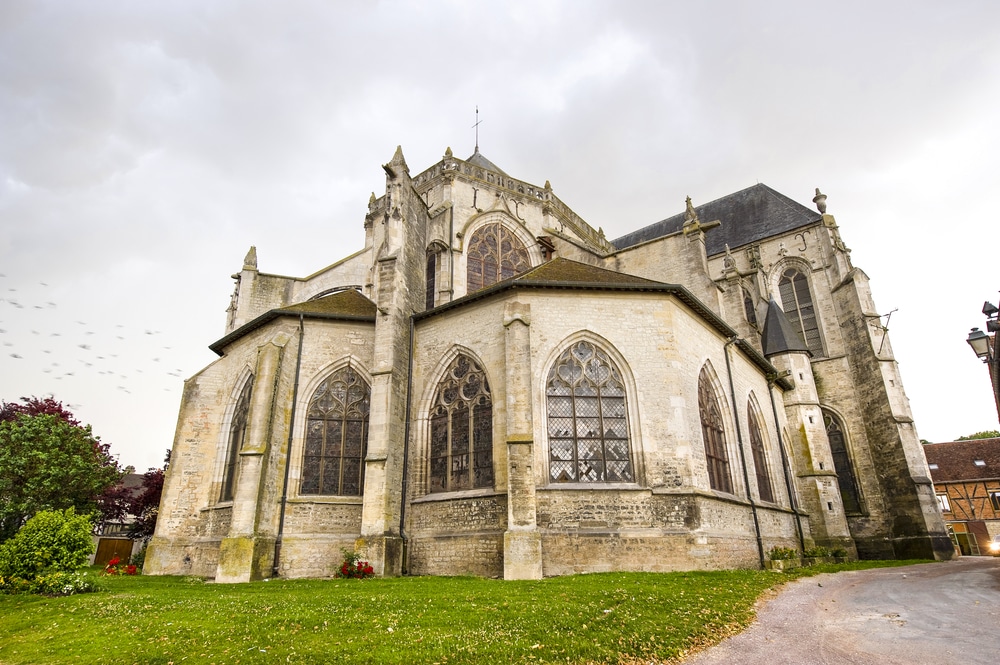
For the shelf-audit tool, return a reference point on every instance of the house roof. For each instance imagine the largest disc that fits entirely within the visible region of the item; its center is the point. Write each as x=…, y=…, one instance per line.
x=956, y=460
x=747, y=216
x=345, y=305
x=563, y=273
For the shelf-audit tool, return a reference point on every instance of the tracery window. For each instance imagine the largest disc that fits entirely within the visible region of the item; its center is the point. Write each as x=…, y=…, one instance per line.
x=714, y=435
x=764, y=489
x=797, y=304
x=337, y=436
x=495, y=254
x=587, y=423
x=461, y=450
x=849, y=493
x=237, y=434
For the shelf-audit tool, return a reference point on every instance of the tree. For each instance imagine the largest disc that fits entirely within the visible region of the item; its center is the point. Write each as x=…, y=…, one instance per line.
x=145, y=505
x=988, y=434
x=48, y=461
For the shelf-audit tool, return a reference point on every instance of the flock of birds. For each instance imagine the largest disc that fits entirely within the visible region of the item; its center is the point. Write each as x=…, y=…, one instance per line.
x=37, y=337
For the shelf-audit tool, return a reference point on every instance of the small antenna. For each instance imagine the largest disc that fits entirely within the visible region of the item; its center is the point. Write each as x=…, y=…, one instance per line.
x=476, y=127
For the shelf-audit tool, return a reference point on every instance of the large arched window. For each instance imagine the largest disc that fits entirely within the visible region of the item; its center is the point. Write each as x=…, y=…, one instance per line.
x=462, y=429
x=237, y=434
x=495, y=254
x=849, y=493
x=714, y=435
x=337, y=436
x=764, y=489
x=797, y=304
x=587, y=423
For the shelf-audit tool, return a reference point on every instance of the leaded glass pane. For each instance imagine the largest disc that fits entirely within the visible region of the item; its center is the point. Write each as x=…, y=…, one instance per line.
x=336, y=435
x=713, y=433
x=461, y=429
x=237, y=435
x=494, y=254
x=587, y=426
x=759, y=459
x=796, y=301
x=849, y=493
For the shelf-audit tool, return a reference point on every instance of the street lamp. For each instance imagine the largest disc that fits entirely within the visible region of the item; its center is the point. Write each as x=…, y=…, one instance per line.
x=985, y=347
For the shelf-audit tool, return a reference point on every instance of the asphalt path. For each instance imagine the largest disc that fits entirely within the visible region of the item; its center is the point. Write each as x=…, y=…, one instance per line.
x=946, y=612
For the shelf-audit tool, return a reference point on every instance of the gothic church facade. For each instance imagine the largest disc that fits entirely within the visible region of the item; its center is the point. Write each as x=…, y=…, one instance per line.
x=491, y=387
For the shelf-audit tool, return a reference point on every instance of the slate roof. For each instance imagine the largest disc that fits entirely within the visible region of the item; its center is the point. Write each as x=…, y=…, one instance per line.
x=956, y=460
x=480, y=161
x=346, y=305
x=747, y=216
x=779, y=335
x=561, y=270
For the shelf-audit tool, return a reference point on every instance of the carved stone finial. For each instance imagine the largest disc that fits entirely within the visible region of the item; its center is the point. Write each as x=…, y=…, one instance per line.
x=728, y=262
x=548, y=186
x=250, y=261
x=371, y=200
x=820, y=201
x=690, y=216
x=448, y=153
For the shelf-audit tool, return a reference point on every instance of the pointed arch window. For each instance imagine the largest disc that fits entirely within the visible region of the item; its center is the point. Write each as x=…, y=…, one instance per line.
x=748, y=308
x=461, y=450
x=714, y=435
x=849, y=493
x=797, y=303
x=337, y=436
x=587, y=421
x=495, y=254
x=237, y=435
x=431, y=275
x=764, y=489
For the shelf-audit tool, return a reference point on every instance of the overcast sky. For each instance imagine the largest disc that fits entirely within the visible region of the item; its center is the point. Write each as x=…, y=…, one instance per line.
x=145, y=146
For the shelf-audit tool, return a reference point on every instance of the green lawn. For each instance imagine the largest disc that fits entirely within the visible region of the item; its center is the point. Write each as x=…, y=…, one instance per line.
x=602, y=618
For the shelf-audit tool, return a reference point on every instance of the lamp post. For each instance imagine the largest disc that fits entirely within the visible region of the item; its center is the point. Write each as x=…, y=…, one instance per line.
x=985, y=347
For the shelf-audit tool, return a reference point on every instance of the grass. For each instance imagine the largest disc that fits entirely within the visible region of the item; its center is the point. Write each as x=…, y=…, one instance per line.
x=599, y=618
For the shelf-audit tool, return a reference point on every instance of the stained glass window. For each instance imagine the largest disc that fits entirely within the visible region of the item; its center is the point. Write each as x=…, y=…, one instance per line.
x=431, y=275
x=237, y=434
x=849, y=493
x=587, y=422
x=461, y=418
x=798, y=307
x=748, y=308
x=495, y=254
x=714, y=435
x=764, y=489
x=337, y=436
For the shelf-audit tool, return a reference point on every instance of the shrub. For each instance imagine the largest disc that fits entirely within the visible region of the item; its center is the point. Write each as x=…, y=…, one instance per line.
x=353, y=567
x=62, y=583
x=782, y=554
x=816, y=552
x=839, y=552
x=51, y=541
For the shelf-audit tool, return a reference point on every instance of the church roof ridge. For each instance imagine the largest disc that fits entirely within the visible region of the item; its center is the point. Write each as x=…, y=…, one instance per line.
x=748, y=215
x=480, y=160
x=344, y=305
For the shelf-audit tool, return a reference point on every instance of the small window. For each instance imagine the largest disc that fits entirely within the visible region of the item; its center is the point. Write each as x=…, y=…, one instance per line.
x=933, y=467
x=995, y=500
x=979, y=462
x=943, y=503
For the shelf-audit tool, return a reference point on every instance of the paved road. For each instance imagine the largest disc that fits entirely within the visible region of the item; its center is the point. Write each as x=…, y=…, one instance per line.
x=936, y=613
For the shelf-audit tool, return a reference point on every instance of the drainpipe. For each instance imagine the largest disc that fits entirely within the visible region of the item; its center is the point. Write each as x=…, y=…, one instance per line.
x=784, y=464
x=743, y=458
x=451, y=260
x=288, y=452
x=406, y=450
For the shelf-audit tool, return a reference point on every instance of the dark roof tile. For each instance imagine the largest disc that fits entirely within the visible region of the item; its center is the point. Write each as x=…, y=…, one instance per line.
x=956, y=460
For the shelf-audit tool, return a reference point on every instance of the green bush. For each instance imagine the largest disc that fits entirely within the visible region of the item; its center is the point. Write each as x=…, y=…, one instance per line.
x=51, y=541
x=839, y=552
x=782, y=554
x=816, y=552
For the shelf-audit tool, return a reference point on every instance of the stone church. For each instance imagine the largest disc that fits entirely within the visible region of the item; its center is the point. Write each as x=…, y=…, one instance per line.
x=492, y=387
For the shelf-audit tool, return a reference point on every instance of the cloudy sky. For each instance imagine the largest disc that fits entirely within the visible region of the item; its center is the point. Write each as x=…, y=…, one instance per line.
x=145, y=146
